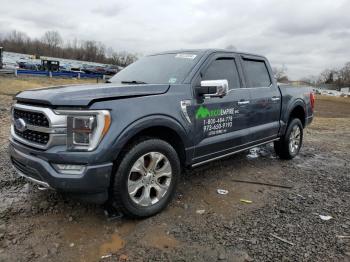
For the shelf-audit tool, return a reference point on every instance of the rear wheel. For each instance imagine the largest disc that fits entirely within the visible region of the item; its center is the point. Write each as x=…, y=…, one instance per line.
x=289, y=145
x=146, y=178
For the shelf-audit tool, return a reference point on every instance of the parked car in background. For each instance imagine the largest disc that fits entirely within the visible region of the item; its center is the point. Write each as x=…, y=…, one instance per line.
x=28, y=64
x=111, y=70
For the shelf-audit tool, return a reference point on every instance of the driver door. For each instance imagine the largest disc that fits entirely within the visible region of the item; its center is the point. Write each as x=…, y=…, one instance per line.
x=221, y=124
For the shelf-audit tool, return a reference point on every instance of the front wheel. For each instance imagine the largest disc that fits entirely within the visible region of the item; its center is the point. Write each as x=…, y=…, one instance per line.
x=146, y=178
x=289, y=145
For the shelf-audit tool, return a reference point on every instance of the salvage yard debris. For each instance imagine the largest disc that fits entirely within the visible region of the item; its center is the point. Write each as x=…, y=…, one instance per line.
x=282, y=239
x=222, y=191
x=200, y=211
x=246, y=201
x=261, y=183
x=325, y=218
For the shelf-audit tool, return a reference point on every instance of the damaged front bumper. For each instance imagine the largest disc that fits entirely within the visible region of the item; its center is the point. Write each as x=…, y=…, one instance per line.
x=91, y=185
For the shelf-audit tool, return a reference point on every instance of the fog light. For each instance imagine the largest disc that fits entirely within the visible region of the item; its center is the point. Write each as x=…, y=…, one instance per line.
x=69, y=169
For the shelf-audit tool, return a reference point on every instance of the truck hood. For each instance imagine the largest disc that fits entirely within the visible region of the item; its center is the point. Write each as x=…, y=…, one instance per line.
x=85, y=95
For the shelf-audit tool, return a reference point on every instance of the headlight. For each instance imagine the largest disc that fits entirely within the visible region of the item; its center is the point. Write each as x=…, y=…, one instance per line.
x=85, y=129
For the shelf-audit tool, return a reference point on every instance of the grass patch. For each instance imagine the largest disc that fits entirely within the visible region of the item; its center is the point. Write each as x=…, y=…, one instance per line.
x=333, y=99
x=10, y=85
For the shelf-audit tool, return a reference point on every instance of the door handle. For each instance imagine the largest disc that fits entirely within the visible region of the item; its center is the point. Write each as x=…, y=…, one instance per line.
x=275, y=98
x=245, y=102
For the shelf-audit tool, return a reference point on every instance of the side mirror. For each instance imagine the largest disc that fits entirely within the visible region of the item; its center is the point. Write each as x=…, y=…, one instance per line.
x=213, y=88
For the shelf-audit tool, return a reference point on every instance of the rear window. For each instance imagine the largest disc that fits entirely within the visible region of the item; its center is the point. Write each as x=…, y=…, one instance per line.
x=256, y=73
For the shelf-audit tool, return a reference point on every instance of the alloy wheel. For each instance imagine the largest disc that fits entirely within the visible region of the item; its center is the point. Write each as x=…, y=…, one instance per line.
x=149, y=179
x=294, y=139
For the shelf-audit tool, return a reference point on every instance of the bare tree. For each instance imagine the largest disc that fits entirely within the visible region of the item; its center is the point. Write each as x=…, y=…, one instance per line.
x=280, y=73
x=326, y=77
x=51, y=44
x=123, y=58
x=336, y=77
x=17, y=37
x=52, y=38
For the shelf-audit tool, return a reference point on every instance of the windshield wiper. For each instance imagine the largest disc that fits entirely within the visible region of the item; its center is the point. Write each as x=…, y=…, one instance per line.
x=133, y=82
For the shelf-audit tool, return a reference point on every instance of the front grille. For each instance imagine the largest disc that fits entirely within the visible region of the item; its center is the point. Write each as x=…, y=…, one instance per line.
x=38, y=127
x=32, y=118
x=28, y=171
x=34, y=136
x=35, y=119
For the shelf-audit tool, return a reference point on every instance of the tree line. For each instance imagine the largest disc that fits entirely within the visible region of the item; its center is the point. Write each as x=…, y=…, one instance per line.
x=338, y=78
x=52, y=44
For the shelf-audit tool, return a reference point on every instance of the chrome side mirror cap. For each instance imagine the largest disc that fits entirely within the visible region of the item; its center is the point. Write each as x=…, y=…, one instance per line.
x=214, y=88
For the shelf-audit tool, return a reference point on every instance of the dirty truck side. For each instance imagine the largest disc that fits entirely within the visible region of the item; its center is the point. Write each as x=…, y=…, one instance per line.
x=126, y=142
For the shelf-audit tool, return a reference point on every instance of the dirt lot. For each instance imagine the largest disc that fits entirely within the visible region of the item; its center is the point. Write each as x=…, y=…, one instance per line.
x=281, y=224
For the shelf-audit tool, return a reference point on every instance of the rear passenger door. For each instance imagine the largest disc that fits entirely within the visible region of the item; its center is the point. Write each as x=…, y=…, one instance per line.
x=265, y=99
x=221, y=124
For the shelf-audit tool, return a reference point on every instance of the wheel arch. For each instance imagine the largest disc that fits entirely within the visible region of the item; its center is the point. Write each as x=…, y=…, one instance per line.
x=297, y=110
x=161, y=127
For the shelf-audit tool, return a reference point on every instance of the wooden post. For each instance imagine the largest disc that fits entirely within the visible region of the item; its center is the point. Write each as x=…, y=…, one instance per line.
x=16, y=74
x=79, y=75
x=50, y=74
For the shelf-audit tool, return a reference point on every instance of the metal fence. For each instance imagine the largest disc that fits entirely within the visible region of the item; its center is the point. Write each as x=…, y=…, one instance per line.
x=58, y=74
x=78, y=75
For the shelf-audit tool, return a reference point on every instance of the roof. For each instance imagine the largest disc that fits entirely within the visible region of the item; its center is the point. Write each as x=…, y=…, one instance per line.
x=207, y=51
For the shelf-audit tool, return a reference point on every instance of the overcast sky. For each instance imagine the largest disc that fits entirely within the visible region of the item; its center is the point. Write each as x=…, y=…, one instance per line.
x=307, y=35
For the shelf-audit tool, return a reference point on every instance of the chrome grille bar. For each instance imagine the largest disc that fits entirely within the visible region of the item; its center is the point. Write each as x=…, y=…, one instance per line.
x=56, y=128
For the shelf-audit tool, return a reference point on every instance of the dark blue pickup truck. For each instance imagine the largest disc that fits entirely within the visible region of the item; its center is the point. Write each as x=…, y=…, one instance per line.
x=126, y=142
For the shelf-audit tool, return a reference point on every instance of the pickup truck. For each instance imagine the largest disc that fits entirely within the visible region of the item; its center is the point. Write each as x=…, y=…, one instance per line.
x=125, y=143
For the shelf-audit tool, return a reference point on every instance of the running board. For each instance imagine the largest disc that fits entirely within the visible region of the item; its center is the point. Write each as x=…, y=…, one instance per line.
x=232, y=153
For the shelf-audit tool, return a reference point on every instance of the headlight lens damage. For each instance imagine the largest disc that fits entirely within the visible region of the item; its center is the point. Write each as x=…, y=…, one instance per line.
x=85, y=129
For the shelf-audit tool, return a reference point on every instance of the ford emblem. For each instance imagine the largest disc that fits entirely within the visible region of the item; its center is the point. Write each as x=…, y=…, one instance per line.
x=20, y=125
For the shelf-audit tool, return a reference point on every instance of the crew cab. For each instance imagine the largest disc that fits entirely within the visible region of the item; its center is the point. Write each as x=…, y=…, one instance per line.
x=126, y=142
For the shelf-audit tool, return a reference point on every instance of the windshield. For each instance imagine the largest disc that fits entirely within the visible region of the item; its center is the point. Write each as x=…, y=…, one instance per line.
x=158, y=69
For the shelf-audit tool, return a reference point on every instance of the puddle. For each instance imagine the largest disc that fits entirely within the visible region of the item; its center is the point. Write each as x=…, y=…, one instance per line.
x=112, y=246
x=97, y=238
x=158, y=238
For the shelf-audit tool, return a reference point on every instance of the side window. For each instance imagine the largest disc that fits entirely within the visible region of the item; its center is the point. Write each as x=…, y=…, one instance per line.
x=256, y=73
x=223, y=68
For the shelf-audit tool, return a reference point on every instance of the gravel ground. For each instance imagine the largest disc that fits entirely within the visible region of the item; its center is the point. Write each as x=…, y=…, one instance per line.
x=281, y=223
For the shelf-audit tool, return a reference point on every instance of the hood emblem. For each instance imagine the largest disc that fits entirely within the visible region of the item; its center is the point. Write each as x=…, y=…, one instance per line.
x=20, y=125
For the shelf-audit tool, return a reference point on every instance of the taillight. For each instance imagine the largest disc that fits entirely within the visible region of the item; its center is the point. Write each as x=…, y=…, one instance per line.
x=312, y=100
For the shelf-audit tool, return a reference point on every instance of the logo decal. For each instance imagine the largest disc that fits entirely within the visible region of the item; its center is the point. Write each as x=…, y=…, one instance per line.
x=203, y=112
x=20, y=125
x=216, y=121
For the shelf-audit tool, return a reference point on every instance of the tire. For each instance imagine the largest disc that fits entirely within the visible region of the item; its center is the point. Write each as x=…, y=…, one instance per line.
x=142, y=186
x=289, y=145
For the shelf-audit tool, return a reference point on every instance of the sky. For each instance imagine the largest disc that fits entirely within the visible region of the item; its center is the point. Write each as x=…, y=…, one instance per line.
x=304, y=36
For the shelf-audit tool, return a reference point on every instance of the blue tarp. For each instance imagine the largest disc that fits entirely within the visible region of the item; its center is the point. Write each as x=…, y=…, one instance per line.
x=64, y=74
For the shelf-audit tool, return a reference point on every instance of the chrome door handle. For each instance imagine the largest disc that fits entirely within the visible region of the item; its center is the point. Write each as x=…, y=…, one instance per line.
x=275, y=98
x=243, y=102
